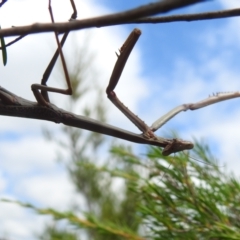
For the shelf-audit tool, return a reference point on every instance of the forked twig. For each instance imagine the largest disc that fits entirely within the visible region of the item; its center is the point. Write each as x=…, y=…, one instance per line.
x=173, y=18
x=14, y=41
x=124, y=17
x=73, y=17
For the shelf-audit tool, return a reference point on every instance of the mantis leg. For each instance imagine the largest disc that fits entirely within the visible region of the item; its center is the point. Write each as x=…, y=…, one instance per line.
x=218, y=97
x=125, y=51
x=42, y=97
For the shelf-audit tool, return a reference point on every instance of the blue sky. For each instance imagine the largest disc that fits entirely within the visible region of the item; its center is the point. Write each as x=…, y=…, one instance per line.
x=172, y=64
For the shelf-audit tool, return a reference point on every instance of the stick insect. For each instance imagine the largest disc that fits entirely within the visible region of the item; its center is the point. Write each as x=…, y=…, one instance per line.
x=12, y=105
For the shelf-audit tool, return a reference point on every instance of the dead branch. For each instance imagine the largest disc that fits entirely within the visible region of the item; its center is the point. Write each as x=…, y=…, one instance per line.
x=173, y=18
x=14, y=106
x=191, y=17
x=102, y=21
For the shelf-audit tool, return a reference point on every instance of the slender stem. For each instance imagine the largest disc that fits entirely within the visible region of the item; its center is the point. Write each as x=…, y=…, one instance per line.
x=191, y=17
x=14, y=41
x=124, y=17
x=174, y=18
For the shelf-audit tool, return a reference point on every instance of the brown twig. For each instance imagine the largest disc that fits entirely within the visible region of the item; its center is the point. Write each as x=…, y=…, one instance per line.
x=12, y=105
x=14, y=41
x=73, y=17
x=191, y=17
x=107, y=20
x=176, y=18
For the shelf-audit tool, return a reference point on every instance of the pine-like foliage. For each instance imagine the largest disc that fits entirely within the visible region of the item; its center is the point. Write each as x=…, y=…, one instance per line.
x=172, y=197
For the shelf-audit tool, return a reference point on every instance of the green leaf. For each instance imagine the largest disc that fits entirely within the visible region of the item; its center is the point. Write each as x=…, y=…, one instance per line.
x=4, y=50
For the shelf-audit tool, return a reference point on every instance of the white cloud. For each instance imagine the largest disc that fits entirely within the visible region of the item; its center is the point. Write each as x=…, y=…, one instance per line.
x=50, y=189
x=29, y=153
x=3, y=182
x=230, y=3
x=19, y=223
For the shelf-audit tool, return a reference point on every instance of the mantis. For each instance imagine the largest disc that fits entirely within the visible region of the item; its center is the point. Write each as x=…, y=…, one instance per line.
x=12, y=105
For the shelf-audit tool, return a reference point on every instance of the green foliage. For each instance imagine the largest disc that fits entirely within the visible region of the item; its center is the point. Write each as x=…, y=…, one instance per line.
x=173, y=197
x=184, y=199
x=53, y=233
x=104, y=228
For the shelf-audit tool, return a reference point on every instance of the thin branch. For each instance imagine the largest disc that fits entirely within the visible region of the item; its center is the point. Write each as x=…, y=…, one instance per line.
x=176, y=18
x=14, y=106
x=107, y=20
x=14, y=41
x=191, y=17
x=73, y=17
